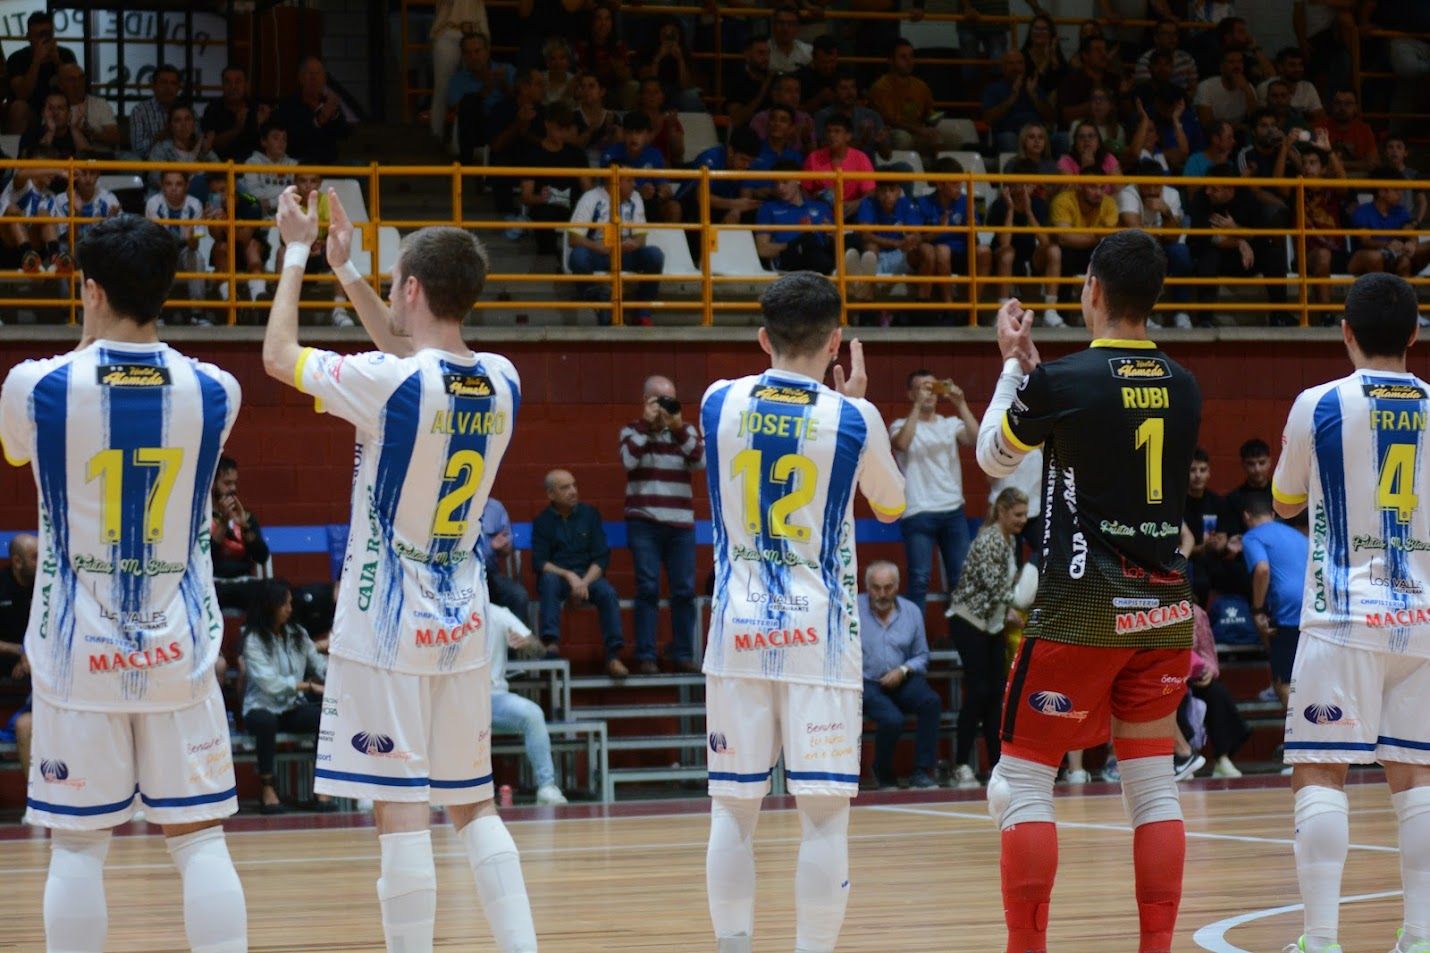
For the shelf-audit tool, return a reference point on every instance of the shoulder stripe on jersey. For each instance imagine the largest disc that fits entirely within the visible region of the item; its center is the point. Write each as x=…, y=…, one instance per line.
x=303, y=357
x=1290, y=499
x=10, y=458
x=1012, y=438
x=887, y=512
x=1141, y=344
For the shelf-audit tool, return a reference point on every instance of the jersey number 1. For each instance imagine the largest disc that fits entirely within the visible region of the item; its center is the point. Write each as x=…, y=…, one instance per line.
x=748, y=466
x=108, y=466
x=1151, y=435
x=1396, y=490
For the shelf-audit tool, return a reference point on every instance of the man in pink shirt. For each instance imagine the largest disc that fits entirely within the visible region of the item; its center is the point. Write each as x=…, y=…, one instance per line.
x=838, y=154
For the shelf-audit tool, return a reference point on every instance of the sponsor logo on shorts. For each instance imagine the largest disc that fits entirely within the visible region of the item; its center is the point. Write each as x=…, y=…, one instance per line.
x=1055, y=705
x=158, y=656
x=1158, y=618
x=718, y=744
x=775, y=639
x=55, y=771
x=1320, y=714
x=376, y=745
x=1173, y=683
x=1417, y=615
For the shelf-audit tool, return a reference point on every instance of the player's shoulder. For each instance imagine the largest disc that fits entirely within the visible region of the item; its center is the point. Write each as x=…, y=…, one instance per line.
x=204, y=370
x=494, y=363
x=26, y=374
x=1332, y=392
x=724, y=387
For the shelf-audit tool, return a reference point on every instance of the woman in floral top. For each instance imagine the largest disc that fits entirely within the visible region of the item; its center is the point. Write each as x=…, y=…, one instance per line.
x=979, y=609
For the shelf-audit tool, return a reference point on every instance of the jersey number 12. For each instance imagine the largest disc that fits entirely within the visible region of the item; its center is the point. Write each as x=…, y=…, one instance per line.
x=748, y=466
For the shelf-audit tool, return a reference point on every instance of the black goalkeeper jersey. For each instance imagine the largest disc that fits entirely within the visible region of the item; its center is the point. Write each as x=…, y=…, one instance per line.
x=1119, y=422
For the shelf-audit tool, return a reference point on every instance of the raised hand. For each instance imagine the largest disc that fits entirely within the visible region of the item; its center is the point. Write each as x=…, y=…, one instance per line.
x=858, y=380
x=1015, y=335
x=340, y=231
x=297, y=225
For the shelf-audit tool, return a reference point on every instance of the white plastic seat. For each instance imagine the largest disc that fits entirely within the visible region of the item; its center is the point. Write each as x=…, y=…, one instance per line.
x=699, y=133
x=120, y=181
x=350, y=194
x=735, y=255
x=678, y=263
x=11, y=146
x=961, y=131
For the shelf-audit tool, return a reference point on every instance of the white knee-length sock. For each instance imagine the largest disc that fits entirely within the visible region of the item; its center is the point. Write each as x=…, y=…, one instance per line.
x=500, y=885
x=76, y=917
x=1322, y=840
x=730, y=871
x=407, y=891
x=1413, y=809
x=215, y=917
x=821, y=880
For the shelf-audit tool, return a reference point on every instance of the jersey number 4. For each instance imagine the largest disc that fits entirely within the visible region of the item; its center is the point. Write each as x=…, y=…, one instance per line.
x=748, y=466
x=1396, y=490
x=112, y=468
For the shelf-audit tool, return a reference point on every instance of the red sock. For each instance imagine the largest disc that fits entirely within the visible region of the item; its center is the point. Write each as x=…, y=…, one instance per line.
x=1029, y=864
x=1158, y=852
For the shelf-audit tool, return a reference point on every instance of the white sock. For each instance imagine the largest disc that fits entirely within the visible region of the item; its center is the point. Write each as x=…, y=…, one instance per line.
x=1413, y=809
x=821, y=879
x=76, y=916
x=1322, y=839
x=1050, y=299
x=215, y=917
x=497, y=868
x=257, y=288
x=407, y=891
x=730, y=871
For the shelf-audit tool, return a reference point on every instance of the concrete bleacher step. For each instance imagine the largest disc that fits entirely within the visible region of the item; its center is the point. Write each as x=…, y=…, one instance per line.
x=657, y=742
x=618, y=712
x=658, y=775
x=594, y=682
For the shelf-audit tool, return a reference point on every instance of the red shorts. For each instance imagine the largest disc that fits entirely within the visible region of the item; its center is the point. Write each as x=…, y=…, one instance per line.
x=1062, y=697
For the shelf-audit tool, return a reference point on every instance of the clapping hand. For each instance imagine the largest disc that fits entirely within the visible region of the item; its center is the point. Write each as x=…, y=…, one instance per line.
x=297, y=225
x=340, y=232
x=1015, y=335
x=858, y=380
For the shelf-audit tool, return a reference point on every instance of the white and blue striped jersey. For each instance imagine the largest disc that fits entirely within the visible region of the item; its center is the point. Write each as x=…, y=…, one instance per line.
x=1354, y=452
x=123, y=440
x=157, y=209
x=783, y=456
x=29, y=200
x=104, y=204
x=431, y=432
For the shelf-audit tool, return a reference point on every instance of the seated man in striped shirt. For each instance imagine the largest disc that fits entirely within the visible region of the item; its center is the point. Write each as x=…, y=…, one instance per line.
x=659, y=452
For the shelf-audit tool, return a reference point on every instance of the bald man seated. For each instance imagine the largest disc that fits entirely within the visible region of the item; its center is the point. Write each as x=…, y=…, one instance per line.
x=570, y=556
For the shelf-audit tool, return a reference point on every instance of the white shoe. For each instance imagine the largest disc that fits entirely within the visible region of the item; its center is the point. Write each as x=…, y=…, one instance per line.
x=1051, y=319
x=1300, y=947
x=1225, y=769
x=1268, y=694
x=1417, y=947
x=341, y=318
x=1182, y=320
x=1076, y=777
x=549, y=794
x=964, y=778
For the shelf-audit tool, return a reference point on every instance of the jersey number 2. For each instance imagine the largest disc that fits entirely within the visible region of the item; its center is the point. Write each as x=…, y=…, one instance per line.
x=1397, y=482
x=748, y=465
x=1151, y=435
x=107, y=466
x=468, y=467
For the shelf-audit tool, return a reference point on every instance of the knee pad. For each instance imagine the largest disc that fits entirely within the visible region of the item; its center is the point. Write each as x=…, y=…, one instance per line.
x=1021, y=792
x=407, y=865
x=1149, y=791
x=737, y=814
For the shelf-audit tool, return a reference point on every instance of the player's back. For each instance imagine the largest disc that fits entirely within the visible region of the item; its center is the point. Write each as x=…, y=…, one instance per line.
x=123, y=440
x=783, y=457
x=1119, y=422
x=1358, y=446
x=431, y=431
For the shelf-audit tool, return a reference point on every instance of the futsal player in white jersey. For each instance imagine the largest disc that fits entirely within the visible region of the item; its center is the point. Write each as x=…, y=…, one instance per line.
x=783, y=663
x=407, y=710
x=1354, y=452
x=123, y=436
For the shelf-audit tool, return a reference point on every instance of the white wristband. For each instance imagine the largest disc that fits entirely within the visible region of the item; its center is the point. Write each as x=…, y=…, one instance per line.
x=347, y=273
x=295, y=256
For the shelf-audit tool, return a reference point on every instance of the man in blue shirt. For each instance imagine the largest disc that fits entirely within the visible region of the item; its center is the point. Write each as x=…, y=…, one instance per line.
x=1275, y=555
x=732, y=199
x=1402, y=254
x=948, y=205
x=1013, y=101
x=785, y=242
x=893, y=252
x=896, y=659
x=494, y=548
x=634, y=151
x=478, y=76
x=779, y=145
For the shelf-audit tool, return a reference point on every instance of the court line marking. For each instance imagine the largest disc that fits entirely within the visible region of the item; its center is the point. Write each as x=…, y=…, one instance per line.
x=1213, y=936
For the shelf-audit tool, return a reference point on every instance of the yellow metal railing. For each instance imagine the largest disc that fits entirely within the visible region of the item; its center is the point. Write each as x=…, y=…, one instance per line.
x=1298, y=286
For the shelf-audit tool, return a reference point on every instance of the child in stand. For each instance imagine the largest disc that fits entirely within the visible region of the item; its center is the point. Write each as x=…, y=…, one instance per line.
x=171, y=206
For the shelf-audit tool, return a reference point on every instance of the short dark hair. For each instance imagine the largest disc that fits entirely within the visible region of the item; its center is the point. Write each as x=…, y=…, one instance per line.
x=1230, y=51
x=225, y=463
x=839, y=119
x=635, y=121
x=559, y=114
x=451, y=266
x=745, y=142
x=1255, y=447
x=915, y=375
x=270, y=126
x=1383, y=314
x=37, y=18
x=825, y=43
x=1225, y=25
x=785, y=165
x=1223, y=170
x=133, y=260
x=800, y=310
x=1087, y=42
x=234, y=68
x=778, y=107
x=166, y=68
x=1257, y=504
x=1288, y=53
x=752, y=39
x=1130, y=266
x=1200, y=455
x=1384, y=172
x=897, y=45
x=1148, y=167
x=844, y=73
x=1258, y=114
x=948, y=165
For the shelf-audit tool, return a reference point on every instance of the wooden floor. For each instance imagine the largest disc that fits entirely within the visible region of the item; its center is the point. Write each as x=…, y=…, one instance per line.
x=924, y=872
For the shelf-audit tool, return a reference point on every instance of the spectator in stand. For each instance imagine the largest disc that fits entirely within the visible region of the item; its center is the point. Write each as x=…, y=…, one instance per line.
x=1102, y=113
x=788, y=52
x=1093, y=27
x=838, y=154
x=184, y=144
x=511, y=712
x=780, y=145
x=785, y=92
x=786, y=243
x=234, y=118
x=1351, y=136
x=1278, y=99
x=570, y=556
x=1231, y=33
x=239, y=550
x=1227, y=731
x=1326, y=30
x=894, y=252
x=548, y=197
x=990, y=38
x=91, y=115
x=513, y=127
x=979, y=609
x=906, y=103
x=556, y=55
x=251, y=252
x=272, y=150
x=1167, y=38
x=659, y=452
x=1228, y=96
x=1275, y=556
x=31, y=71
x=1160, y=206
x=1023, y=253
x=1291, y=67
x=1165, y=134
x=634, y=151
x=90, y=202
x=475, y=91
x=1035, y=146
x=149, y=121
x=1075, y=90
x=1043, y=54
x=896, y=658
x=28, y=195
x=668, y=62
x=171, y=206
x=1226, y=207
x=925, y=444
x=1221, y=145
x=1414, y=200
x=1324, y=209
x=731, y=200
x=1159, y=77
x=53, y=132
x=1268, y=155
x=747, y=85
x=284, y=673
x=495, y=547
x=452, y=20
x=602, y=53
x=1089, y=149
x=542, y=19
x=17, y=591
x=1073, y=211
x=589, y=254
x=950, y=207
x=818, y=80
x=868, y=133
x=667, y=134
x=313, y=116
x=1013, y=101
x=1255, y=455
x=1397, y=249
x=597, y=128
x=1206, y=524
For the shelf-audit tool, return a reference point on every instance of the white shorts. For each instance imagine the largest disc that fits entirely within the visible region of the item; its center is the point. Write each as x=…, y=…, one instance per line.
x=88, y=766
x=389, y=736
x=749, y=720
x=1354, y=706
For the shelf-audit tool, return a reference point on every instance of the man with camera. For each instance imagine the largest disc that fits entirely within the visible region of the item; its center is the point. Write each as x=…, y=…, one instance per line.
x=659, y=452
x=926, y=445
x=32, y=71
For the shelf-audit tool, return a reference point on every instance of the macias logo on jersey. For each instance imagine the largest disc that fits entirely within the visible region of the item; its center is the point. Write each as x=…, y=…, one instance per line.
x=132, y=375
x=136, y=661
x=1156, y=618
x=775, y=393
x=1055, y=705
x=776, y=639
x=1322, y=714
x=1398, y=618
x=376, y=745
x=425, y=638
x=55, y=771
